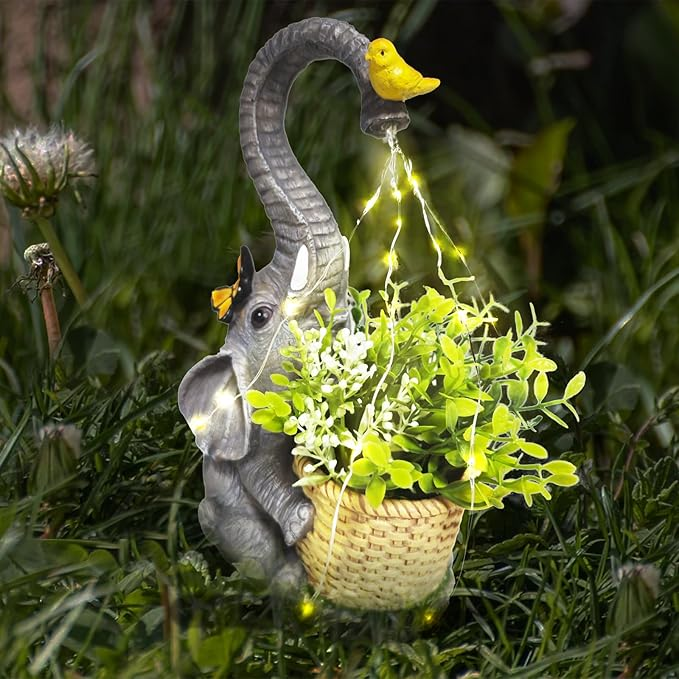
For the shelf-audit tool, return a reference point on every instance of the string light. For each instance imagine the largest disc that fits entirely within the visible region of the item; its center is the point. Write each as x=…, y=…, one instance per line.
x=370, y=203
x=224, y=399
x=306, y=609
x=292, y=306
x=390, y=259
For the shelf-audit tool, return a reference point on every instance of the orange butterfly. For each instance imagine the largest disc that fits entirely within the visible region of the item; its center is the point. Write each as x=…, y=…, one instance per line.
x=229, y=297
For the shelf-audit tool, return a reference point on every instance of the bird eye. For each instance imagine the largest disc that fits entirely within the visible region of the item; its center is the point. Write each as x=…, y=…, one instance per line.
x=381, y=53
x=261, y=316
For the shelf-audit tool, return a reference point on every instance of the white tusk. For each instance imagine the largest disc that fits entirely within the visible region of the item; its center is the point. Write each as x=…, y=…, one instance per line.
x=347, y=253
x=300, y=275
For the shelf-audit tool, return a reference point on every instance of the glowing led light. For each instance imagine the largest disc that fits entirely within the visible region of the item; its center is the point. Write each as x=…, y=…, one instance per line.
x=224, y=398
x=306, y=609
x=461, y=315
x=198, y=422
x=370, y=203
x=398, y=223
x=292, y=306
x=471, y=473
x=460, y=252
x=396, y=194
x=390, y=259
x=414, y=181
x=428, y=617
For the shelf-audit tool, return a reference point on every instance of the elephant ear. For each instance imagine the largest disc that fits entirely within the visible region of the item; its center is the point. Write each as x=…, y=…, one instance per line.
x=210, y=400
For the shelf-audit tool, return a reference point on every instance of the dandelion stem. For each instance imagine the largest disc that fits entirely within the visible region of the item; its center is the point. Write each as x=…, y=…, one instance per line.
x=49, y=311
x=62, y=260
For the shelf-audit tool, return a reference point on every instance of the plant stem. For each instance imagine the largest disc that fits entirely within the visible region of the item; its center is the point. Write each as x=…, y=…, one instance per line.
x=49, y=312
x=62, y=260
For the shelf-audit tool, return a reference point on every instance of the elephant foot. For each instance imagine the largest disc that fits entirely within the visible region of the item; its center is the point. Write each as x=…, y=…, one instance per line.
x=290, y=578
x=299, y=523
x=247, y=538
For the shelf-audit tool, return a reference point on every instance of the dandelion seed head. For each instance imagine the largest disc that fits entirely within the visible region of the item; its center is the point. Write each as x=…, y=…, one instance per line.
x=36, y=167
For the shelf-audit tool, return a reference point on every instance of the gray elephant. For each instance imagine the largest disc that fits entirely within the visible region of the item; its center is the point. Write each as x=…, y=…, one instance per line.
x=250, y=511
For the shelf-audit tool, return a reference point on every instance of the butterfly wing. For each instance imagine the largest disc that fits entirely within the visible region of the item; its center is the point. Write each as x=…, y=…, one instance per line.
x=228, y=297
x=222, y=300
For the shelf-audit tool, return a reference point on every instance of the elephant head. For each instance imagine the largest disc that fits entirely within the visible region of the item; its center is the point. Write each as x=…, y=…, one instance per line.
x=310, y=254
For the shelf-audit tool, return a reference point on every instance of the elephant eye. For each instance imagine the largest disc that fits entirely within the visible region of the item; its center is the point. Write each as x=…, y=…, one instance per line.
x=261, y=316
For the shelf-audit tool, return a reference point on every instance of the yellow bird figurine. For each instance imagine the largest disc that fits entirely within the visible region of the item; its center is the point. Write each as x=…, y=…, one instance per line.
x=391, y=77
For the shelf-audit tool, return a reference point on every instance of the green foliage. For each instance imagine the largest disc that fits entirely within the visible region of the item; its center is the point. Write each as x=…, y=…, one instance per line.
x=428, y=399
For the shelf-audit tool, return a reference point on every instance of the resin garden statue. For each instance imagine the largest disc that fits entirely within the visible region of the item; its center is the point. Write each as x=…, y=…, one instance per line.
x=350, y=429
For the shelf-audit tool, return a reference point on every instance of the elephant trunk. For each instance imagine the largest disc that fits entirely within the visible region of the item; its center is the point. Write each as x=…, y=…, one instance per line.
x=297, y=211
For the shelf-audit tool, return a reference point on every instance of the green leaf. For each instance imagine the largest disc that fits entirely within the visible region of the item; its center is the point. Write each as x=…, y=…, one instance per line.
x=311, y=480
x=218, y=651
x=280, y=380
x=540, y=386
x=330, y=298
x=290, y=428
x=257, y=399
x=377, y=451
x=298, y=402
x=555, y=417
x=426, y=483
x=451, y=416
x=564, y=480
x=559, y=467
x=363, y=467
x=542, y=364
x=570, y=407
x=402, y=464
x=401, y=478
x=279, y=405
x=466, y=407
x=402, y=442
x=452, y=352
x=268, y=420
x=375, y=491
x=575, y=385
x=502, y=349
x=533, y=449
x=517, y=392
x=518, y=324
x=502, y=420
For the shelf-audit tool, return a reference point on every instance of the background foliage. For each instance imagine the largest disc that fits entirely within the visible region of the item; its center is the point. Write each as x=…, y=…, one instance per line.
x=550, y=151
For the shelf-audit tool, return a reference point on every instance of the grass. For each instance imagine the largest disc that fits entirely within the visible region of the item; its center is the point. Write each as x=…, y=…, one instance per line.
x=103, y=568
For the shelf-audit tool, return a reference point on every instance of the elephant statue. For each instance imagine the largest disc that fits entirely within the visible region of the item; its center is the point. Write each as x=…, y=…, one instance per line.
x=251, y=511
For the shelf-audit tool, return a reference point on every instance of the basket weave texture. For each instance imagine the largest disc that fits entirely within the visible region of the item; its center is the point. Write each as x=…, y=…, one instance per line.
x=387, y=558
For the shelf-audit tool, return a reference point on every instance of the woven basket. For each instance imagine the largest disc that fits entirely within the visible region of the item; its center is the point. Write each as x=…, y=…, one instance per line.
x=387, y=558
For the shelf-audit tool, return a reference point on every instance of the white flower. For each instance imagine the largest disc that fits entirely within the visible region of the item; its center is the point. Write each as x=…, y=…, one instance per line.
x=329, y=361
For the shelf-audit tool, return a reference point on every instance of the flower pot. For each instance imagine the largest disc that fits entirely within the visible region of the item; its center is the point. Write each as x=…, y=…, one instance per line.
x=385, y=558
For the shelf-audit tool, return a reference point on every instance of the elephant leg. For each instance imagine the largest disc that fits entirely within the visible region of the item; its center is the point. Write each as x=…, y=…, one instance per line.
x=233, y=521
x=267, y=475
